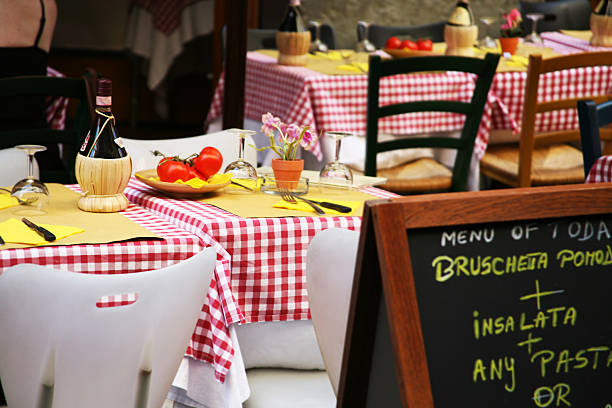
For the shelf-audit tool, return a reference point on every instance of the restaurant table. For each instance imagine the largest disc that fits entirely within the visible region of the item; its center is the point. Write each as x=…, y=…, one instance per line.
x=262, y=261
x=338, y=102
x=601, y=171
x=116, y=257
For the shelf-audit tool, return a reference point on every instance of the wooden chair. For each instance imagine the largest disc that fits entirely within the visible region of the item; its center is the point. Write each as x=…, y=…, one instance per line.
x=65, y=344
x=543, y=158
x=592, y=117
x=378, y=34
x=70, y=138
x=427, y=175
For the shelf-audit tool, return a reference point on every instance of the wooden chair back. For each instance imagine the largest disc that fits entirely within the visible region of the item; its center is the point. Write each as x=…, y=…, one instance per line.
x=464, y=145
x=592, y=119
x=529, y=138
x=70, y=138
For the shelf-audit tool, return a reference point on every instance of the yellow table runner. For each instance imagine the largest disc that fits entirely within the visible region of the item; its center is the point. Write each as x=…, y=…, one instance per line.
x=62, y=210
x=261, y=205
x=580, y=34
x=347, y=62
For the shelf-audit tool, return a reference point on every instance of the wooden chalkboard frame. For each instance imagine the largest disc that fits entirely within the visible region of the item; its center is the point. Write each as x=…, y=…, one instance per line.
x=384, y=248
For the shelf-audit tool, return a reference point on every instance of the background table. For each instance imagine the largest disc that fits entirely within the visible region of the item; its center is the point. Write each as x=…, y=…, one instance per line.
x=338, y=102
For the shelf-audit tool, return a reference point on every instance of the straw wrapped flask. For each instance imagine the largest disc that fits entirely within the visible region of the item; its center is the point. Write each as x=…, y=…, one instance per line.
x=103, y=166
x=292, y=38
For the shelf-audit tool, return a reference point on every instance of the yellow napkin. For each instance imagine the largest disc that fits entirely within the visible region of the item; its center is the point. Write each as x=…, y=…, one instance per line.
x=6, y=201
x=198, y=182
x=15, y=231
x=517, y=61
x=302, y=206
x=360, y=67
x=331, y=55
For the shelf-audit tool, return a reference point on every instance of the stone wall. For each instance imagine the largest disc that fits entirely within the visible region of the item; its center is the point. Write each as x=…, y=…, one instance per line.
x=344, y=14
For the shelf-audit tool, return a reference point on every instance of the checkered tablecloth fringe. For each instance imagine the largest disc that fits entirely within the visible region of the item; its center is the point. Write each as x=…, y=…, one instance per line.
x=123, y=299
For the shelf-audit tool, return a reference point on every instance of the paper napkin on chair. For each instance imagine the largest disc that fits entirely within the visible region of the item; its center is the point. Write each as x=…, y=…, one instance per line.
x=6, y=201
x=15, y=231
x=302, y=206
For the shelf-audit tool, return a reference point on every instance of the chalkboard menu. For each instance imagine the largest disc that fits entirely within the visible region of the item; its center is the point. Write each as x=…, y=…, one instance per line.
x=518, y=313
x=489, y=299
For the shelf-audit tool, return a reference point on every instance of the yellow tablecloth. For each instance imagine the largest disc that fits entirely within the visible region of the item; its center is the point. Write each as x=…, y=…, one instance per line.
x=62, y=210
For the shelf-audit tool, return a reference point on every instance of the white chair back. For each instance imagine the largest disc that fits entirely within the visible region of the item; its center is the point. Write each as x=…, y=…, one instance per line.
x=226, y=142
x=59, y=349
x=14, y=167
x=330, y=266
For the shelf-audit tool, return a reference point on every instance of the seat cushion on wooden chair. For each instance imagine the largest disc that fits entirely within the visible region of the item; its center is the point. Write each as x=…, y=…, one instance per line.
x=552, y=165
x=416, y=176
x=286, y=388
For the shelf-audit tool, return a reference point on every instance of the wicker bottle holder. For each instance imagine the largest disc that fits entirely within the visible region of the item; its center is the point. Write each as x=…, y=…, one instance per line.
x=460, y=40
x=601, y=26
x=292, y=47
x=103, y=182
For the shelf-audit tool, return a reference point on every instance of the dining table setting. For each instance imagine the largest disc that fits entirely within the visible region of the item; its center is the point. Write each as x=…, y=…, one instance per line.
x=329, y=93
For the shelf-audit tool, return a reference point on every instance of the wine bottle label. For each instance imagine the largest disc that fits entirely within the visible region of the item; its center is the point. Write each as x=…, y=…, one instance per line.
x=460, y=17
x=86, y=140
x=119, y=142
x=104, y=100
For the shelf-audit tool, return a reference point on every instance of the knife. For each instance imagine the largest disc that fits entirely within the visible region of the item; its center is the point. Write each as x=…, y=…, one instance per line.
x=47, y=235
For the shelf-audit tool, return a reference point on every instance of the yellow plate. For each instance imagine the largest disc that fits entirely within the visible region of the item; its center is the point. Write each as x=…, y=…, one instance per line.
x=395, y=53
x=176, y=188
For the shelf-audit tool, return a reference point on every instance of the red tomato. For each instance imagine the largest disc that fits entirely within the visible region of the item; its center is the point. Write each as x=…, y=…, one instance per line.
x=425, y=44
x=393, y=43
x=171, y=169
x=193, y=172
x=409, y=45
x=208, y=161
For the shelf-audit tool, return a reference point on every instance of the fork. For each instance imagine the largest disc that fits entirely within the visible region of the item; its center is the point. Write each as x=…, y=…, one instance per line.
x=290, y=198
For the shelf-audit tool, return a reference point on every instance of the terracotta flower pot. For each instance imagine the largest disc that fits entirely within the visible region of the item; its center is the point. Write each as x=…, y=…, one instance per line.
x=287, y=172
x=509, y=44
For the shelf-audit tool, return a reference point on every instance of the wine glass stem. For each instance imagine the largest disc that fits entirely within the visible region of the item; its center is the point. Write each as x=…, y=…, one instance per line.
x=30, y=165
x=241, y=142
x=533, y=27
x=337, y=154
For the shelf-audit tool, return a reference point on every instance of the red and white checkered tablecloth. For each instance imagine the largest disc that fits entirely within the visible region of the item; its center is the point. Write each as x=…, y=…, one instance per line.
x=555, y=39
x=262, y=258
x=339, y=102
x=601, y=172
x=56, y=107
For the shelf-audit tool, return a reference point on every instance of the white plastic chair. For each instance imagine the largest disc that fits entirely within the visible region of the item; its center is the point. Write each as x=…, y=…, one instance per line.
x=59, y=349
x=330, y=267
x=14, y=167
x=226, y=142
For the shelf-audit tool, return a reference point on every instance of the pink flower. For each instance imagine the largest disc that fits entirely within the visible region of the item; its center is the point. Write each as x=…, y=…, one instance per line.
x=269, y=123
x=289, y=137
x=515, y=15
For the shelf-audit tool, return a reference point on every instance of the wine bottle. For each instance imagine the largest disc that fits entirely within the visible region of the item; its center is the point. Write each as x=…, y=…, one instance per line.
x=293, y=21
x=102, y=141
x=462, y=15
x=603, y=8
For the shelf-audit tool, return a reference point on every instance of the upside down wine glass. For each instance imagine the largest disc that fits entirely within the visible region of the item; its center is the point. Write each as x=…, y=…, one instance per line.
x=487, y=41
x=364, y=45
x=534, y=37
x=336, y=172
x=31, y=193
x=244, y=175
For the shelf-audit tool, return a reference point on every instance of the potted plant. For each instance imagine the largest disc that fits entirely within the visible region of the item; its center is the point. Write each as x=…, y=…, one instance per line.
x=511, y=31
x=287, y=169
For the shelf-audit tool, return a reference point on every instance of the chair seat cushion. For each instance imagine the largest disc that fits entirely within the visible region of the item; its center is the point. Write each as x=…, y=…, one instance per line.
x=417, y=176
x=286, y=388
x=554, y=164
